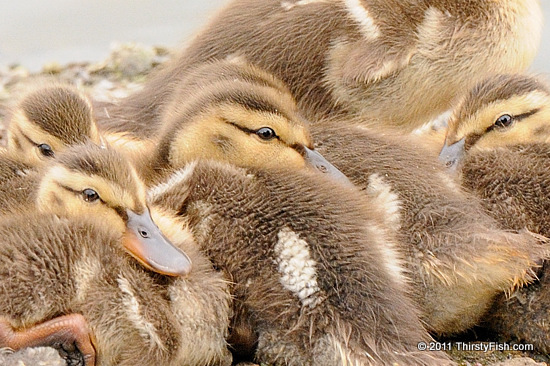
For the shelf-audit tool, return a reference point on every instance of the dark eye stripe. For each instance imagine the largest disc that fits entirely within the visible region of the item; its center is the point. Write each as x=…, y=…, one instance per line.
x=248, y=130
x=516, y=118
x=78, y=192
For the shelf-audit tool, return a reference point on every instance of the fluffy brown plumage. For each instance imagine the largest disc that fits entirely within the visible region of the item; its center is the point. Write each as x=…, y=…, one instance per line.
x=78, y=241
x=498, y=139
x=457, y=256
x=397, y=63
x=135, y=316
x=314, y=270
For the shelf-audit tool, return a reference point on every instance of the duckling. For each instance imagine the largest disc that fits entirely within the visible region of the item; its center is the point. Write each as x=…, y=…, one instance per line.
x=47, y=120
x=89, y=290
x=498, y=140
x=458, y=258
x=311, y=263
x=44, y=121
x=395, y=63
x=503, y=110
x=229, y=110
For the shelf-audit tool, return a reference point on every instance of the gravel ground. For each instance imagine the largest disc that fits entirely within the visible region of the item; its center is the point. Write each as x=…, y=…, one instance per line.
x=122, y=73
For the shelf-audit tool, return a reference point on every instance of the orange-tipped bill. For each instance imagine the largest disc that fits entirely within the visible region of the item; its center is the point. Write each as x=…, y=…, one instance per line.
x=145, y=242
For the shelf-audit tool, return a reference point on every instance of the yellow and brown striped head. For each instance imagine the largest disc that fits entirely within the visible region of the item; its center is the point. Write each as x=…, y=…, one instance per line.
x=97, y=182
x=48, y=120
x=503, y=110
x=243, y=116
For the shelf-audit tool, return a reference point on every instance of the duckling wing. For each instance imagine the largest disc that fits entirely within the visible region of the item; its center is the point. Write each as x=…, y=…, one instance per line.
x=375, y=60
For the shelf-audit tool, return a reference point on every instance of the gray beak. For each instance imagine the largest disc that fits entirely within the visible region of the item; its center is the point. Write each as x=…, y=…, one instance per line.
x=452, y=155
x=146, y=243
x=321, y=164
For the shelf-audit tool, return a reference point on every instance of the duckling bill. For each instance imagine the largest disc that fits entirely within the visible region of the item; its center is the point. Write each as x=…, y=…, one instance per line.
x=145, y=242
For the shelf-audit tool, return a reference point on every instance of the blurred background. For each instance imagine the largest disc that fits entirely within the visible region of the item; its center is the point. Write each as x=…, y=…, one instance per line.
x=36, y=32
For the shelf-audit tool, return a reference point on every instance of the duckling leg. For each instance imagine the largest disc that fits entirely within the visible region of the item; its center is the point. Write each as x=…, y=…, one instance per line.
x=66, y=329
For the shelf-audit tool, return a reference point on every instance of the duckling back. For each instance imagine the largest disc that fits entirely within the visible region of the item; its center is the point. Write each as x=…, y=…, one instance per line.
x=312, y=266
x=392, y=62
x=458, y=257
x=136, y=317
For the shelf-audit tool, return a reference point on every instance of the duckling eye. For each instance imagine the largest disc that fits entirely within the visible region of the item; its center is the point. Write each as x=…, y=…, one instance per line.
x=89, y=195
x=504, y=121
x=266, y=133
x=46, y=150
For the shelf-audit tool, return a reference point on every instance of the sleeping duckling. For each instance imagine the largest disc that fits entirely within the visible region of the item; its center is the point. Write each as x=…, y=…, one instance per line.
x=458, y=258
x=48, y=120
x=230, y=111
x=499, y=139
x=395, y=63
x=320, y=279
x=91, y=208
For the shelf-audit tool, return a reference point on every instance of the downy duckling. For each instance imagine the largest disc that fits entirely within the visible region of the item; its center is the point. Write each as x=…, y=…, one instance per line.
x=47, y=120
x=458, y=258
x=395, y=63
x=91, y=209
x=311, y=263
x=230, y=111
x=503, y=110
x=499, y=139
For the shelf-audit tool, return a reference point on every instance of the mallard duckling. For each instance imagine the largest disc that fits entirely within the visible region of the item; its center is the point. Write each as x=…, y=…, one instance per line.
x=45, y=120
x=312, y=265
x=229, y=111
x=91, y=292
x=397, y=63
x=499, y=138
x=503, y=110
x=86, y=183
x=48, y=120
x=458, y=258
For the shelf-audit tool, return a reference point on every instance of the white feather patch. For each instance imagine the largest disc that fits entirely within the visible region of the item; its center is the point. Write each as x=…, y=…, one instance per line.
x=179, y=177
x=361, y=15
x=84, y=273
x=385, y=200
x=287, y=5
x=146, y=330
x=391, y=256
x=296, y=267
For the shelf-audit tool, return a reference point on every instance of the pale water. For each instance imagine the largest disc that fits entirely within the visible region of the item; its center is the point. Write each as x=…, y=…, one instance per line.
x=34, y=32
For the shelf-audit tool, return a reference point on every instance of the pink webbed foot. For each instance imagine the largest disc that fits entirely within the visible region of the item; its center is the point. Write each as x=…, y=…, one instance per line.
x=66, y=329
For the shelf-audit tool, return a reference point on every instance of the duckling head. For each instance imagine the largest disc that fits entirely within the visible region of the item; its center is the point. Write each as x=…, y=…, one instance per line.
x=97, y=182
x=49, y=119
x=502, y=110
x=251, y=125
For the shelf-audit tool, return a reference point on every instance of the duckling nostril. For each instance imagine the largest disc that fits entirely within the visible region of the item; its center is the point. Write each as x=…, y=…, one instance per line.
x=322, y=168
x=144, y=233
